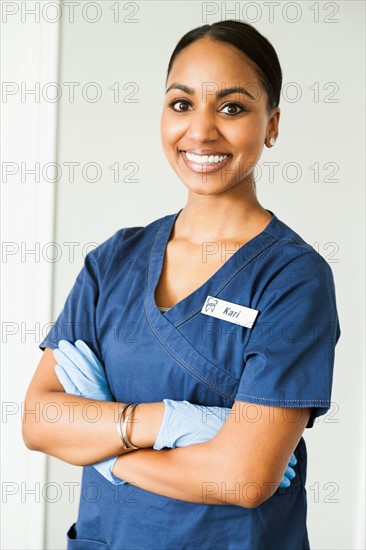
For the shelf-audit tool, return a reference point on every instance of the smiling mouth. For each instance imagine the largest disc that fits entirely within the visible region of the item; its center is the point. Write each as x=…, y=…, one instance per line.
x=207, y=164
x=206, y=159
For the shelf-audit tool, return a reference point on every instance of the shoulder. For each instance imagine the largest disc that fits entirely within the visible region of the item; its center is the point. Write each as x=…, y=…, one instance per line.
x=296, y=284
x=124, y=245
x=292, y=273
x=291, y=255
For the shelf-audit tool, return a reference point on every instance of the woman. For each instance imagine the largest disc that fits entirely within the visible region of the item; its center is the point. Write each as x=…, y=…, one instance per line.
x=247, y=322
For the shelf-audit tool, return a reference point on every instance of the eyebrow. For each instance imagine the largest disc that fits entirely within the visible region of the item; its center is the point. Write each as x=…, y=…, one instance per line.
x=219, y=94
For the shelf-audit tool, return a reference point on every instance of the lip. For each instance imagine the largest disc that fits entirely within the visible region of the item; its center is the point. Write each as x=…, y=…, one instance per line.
x=203, y=152
x=203, y=168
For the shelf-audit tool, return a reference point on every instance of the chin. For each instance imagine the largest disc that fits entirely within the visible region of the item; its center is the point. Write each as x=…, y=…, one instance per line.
x=204, y=188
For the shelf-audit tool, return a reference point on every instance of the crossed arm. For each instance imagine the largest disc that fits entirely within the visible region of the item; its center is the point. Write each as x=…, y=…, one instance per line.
x=242, y=465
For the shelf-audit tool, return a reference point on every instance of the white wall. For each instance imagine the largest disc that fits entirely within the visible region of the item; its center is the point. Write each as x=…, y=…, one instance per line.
x=323, y=56
x=29, y=55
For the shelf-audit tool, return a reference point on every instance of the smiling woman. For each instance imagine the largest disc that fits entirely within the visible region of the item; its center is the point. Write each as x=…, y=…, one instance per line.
x=250, y=333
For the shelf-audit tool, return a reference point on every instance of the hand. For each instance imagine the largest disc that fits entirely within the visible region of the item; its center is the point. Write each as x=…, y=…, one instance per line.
x=81, y=373
x=186, y=424
x=289, y=472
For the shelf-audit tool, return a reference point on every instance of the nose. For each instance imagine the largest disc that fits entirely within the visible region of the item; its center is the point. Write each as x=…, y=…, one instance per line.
x=202, y=126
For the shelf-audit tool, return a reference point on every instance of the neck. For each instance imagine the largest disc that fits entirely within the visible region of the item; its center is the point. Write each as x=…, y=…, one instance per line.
x=219, y=217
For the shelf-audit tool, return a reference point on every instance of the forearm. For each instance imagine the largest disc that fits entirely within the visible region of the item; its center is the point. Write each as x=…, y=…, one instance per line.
x=193, y=474
x=83, y=431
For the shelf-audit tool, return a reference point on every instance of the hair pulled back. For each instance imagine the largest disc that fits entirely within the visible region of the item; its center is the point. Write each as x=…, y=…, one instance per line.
x=251, y=43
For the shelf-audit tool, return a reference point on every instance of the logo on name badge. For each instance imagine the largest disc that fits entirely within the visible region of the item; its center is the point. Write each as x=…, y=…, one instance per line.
x=228, y=311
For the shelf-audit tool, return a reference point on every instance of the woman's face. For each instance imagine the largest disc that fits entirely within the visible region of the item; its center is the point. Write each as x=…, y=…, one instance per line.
x=201, y=123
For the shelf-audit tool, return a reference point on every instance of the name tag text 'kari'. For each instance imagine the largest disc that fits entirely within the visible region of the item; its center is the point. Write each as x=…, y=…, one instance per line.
x=228, y=311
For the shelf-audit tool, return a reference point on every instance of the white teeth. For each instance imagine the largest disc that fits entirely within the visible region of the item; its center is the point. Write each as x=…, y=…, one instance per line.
x=205, y=159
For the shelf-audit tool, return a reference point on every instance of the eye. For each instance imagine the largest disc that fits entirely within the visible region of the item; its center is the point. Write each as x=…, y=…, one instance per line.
x=237, y=106
x=180, y=101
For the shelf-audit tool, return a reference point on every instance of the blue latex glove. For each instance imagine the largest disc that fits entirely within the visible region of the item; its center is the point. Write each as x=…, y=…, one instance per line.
x=184, y=423
x=80, y=373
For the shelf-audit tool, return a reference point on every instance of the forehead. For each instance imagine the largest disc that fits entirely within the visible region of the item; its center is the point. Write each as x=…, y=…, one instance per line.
x=208, y=60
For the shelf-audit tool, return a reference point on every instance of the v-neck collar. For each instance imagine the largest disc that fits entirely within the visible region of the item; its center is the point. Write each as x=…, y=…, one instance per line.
x=192, y=304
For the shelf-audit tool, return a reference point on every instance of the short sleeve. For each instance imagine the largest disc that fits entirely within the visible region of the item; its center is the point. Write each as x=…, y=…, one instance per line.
x=77, y=320
x=289, y=357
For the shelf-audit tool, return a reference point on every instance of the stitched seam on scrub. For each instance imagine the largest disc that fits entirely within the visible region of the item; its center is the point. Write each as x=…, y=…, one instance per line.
x=147, y=286
x=280, y=400
x=222, y=286
x=210, y=362
x=185, y=365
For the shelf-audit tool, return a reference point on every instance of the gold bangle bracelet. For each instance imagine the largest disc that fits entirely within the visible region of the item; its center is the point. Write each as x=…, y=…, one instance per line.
x=124, y=444
x=124, y=427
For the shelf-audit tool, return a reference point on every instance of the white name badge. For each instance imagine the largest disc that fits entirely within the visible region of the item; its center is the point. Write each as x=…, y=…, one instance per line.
x=228, y=311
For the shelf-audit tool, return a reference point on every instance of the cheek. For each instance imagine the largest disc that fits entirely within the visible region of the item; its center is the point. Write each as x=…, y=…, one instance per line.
x=248, y=139
x=169, y=137
x=172, y=128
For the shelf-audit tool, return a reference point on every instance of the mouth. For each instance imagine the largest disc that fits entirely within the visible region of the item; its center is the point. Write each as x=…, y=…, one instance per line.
x=214, y=157
x=205, y=163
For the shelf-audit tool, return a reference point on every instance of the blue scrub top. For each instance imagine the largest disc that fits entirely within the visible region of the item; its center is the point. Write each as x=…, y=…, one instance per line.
x=285, y=360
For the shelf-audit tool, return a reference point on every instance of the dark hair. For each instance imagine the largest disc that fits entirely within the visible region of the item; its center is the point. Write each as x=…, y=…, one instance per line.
x=249, y=41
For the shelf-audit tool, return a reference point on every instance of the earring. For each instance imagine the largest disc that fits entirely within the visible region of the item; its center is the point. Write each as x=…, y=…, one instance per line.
x=272, y=141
